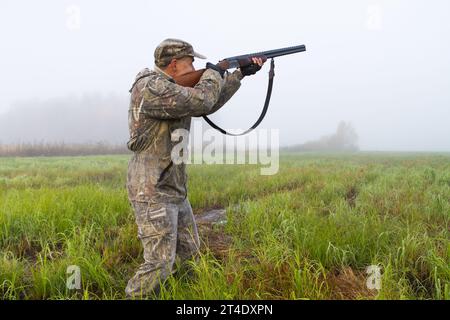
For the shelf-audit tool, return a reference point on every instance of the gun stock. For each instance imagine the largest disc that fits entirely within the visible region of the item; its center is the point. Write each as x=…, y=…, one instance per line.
x=189, y=79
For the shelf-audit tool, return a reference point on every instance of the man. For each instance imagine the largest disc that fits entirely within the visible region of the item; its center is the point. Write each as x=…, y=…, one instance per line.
x=157, y=186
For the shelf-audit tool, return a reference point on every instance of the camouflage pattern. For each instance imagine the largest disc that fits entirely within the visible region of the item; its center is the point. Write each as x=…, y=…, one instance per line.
x=156, y=186
x=174, y=49
x=168, y=232
x=158, y=107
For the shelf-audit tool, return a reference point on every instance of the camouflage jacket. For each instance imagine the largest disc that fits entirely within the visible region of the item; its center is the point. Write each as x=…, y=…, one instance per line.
x=158, y=106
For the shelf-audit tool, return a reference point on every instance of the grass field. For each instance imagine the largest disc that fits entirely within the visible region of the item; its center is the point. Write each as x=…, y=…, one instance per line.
x=308, y=232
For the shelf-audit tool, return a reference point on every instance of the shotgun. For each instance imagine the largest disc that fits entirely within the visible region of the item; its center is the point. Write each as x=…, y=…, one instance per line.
x=192, y=78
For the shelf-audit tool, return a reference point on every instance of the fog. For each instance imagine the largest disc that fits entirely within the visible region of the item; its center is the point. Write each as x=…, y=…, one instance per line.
x=383, y=66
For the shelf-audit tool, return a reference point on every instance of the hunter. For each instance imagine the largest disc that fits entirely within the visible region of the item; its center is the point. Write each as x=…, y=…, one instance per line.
x=156, y=185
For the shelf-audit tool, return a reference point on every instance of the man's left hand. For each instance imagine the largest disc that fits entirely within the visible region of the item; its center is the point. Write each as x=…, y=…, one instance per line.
x=253, y=68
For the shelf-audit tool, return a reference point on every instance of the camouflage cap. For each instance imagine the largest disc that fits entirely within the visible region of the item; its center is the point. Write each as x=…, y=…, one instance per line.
x=174, y=49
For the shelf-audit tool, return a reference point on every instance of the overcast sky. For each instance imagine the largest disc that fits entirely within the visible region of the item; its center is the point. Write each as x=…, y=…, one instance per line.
x=382, y=65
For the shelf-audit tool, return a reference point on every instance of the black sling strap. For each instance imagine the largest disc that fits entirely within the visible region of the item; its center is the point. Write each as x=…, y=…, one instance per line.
x=263, y=113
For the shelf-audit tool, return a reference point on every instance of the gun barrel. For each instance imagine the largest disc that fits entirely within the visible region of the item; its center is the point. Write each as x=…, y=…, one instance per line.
x=272, y=53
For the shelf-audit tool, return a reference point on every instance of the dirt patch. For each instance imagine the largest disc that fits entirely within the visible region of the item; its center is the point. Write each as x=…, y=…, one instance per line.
x=348, y=284
x=28, y=249
x=351, y=195
x=210, y=225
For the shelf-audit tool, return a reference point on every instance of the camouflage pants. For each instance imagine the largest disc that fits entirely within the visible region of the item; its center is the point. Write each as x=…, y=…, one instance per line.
x=167, y=231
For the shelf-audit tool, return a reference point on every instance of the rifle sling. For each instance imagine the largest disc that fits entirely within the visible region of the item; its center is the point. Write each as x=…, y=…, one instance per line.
x=263, y=113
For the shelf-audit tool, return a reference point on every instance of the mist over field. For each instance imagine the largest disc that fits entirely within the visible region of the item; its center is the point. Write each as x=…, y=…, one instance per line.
x=71, y=119
x=382, y=66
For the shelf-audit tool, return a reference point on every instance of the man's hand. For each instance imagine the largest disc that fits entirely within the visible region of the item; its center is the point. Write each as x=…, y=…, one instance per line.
x=253, y=68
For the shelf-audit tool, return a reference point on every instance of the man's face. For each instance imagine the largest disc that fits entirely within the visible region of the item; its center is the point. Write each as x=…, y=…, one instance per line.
x=180, y=67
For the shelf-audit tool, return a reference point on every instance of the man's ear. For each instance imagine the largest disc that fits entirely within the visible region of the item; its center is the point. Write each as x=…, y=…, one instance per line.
x=173, y=64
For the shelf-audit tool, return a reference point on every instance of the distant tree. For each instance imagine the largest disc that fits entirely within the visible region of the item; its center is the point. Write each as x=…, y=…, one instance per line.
x=344, y=139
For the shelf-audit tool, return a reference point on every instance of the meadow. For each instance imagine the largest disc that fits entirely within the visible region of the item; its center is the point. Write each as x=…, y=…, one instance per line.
x=308, y=232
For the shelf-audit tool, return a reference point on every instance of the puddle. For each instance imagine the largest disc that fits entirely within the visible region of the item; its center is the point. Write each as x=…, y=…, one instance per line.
x=213, y=217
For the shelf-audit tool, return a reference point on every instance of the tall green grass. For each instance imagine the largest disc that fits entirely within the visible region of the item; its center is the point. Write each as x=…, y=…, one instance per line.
x=308, y=232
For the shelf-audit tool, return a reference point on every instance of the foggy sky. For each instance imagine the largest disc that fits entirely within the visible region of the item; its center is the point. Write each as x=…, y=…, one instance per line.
x=384, y=66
